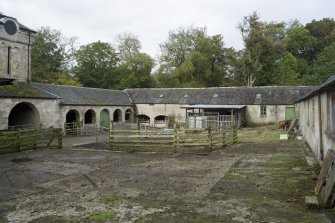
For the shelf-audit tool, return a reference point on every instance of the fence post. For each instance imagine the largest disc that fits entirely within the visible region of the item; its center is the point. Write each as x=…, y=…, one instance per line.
x=234, y=134
x=210, y=137
x=18, y=140
x=34, y=137
x=111, y=135
x=60, y=138
x=223, y=137
x=175, y=139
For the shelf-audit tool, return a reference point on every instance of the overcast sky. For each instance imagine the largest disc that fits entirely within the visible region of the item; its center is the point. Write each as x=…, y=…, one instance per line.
x=151, y=20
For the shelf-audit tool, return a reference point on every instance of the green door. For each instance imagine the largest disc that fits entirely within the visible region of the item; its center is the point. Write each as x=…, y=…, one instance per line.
x=289, y=113
x=104, y=118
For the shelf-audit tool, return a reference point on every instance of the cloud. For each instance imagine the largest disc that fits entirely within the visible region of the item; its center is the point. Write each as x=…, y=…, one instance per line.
x=151, y=20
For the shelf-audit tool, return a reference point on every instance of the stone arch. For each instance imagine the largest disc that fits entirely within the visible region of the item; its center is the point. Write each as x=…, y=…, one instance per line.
x=117, y=115
x=23, y=115
x=90, y=117
x=104, y=118
x=161, y=119
x=143, y=118
x=72, y=116
x=129, y=115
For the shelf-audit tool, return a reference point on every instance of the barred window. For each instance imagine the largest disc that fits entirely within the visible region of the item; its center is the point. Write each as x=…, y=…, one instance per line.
x=263, y=110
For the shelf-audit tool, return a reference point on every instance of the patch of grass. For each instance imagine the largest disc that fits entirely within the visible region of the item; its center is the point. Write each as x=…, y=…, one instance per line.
x=52, y=218
x=7, y=208
x=231, y=175
x=260, y=134
x=3, y=220
x=110, y=200
x=101, y=216
x=288, y=162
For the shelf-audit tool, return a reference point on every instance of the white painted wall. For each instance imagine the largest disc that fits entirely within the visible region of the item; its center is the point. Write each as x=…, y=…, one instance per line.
x=153, y=110
x=309, y=123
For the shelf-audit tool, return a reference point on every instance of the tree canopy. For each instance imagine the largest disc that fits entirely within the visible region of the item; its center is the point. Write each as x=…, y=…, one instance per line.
x=274, y=53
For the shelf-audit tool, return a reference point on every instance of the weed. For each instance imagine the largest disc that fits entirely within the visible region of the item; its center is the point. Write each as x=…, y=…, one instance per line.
x=101, y=216
x=110, y=200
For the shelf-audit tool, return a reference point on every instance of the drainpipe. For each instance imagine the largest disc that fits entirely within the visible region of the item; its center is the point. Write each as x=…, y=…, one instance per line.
x=320, y=128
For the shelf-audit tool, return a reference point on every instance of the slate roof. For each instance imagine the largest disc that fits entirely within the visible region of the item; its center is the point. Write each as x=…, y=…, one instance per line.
x=21, y=26
x=219, y=96
x=24, y=90
x=327, y=85
x=71, y=95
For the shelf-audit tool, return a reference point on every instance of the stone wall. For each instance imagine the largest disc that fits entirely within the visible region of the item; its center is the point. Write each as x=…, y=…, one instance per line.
x=48, y=111
x=97, y=110
x=274, y=113
x=20, y=48
x=154, y=110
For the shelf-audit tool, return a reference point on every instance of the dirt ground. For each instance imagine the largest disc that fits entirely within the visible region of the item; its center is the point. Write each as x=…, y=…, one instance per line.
x=260, y=179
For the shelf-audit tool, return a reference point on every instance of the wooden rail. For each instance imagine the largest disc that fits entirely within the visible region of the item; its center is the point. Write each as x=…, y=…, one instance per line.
x=30, y=139
x=171, y=140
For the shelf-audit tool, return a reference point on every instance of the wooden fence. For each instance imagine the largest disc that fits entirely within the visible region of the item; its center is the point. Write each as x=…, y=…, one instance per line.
x=171, y=140
x=29, y=139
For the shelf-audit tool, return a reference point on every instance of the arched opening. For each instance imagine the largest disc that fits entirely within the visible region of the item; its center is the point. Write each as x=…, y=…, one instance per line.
x=117, y=116
x=161, y=121
x=89, y=117
x=129, y=115
x=23, y=115
x=72, y=116
x=104, y=118
x=143, y=118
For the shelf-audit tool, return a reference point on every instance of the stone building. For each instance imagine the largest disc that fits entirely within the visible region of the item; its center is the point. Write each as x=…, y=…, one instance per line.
x=25, y=104
x=316, y=115
x=250, y=105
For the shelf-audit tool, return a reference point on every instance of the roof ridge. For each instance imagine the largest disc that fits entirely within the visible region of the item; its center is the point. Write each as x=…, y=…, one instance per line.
x=70, y=86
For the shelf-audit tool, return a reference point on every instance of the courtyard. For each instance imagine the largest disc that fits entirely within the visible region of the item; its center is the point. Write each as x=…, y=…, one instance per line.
x=259, y=179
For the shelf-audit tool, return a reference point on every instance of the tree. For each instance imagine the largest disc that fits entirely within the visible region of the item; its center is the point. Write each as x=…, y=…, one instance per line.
x=135, y=72
x=324, y=33
x=262, y=42
x=323, y=67
x=287, y=70
x=299, y=42
x=134, y=69
x=191, y=58
x=96, y=65
x=128, y=45
x=52, y=56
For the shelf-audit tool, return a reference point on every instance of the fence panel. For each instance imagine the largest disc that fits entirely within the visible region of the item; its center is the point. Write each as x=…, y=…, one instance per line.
x=169, y=140
x=29, y=139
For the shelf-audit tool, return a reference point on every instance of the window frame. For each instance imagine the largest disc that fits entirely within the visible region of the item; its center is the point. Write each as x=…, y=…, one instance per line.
x=263, y=111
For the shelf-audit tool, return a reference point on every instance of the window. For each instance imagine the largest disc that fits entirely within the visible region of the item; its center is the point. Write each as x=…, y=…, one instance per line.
x=263, y=110
x=8, y=60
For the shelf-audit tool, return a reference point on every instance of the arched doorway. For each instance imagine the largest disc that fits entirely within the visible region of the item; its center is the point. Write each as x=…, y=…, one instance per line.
x=23, y=115
x=129, y=115
x=143, y=119
x=89, y=117
x=161, y=121
x=104, y=118
x=72, y=116
x=117, y=115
